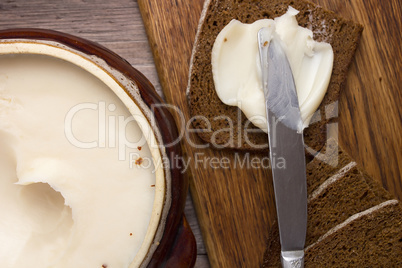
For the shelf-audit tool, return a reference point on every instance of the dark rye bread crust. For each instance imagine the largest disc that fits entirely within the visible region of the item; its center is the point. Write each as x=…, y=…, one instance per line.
x=352, y=193
x=335, y=158
x=347, y=196
x=372, y=240
x=342, y=34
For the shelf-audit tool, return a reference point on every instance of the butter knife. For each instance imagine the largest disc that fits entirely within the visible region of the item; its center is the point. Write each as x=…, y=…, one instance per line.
x=286, y=144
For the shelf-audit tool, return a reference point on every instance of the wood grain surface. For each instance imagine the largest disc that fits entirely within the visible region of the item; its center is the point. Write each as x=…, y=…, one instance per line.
x=235, y=205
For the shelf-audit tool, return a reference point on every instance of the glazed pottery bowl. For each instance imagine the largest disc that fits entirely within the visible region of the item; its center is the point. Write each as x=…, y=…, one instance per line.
x=168, y=240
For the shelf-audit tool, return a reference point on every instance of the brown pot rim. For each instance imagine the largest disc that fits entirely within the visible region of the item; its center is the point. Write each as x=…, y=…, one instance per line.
x=164, y=120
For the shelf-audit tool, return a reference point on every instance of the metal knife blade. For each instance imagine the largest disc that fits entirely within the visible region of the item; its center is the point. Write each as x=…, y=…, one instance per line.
x=285, y=137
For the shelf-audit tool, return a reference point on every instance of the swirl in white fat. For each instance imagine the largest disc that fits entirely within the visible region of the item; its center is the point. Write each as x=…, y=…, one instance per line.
x=62, y=205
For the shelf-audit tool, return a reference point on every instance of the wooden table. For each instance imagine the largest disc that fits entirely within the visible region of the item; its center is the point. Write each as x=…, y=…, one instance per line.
x=370, y=124
x=116, y=25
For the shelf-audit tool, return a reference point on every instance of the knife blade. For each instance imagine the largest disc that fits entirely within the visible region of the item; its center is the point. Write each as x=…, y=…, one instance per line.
x=286, y=143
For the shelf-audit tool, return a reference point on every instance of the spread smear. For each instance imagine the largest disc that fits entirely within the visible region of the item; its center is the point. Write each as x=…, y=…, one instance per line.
x=237, y=72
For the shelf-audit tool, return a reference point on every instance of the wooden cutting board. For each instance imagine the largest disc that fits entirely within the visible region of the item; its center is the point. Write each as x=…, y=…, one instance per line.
x=235, y=205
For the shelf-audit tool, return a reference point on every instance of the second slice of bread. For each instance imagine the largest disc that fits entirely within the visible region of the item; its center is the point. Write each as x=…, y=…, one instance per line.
x=346, y=213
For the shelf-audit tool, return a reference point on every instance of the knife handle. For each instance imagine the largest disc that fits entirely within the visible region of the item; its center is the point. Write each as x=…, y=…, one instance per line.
x=292, y=259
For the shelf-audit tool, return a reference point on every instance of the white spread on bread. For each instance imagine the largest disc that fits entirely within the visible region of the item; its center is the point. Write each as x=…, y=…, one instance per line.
x=237, y=72
x=62, y=205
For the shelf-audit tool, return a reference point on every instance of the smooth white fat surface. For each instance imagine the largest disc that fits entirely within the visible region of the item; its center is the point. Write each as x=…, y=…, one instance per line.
x=71, y=192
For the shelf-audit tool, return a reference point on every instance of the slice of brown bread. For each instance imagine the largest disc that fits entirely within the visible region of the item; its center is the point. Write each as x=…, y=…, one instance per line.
x=372, y=238
x=337, y=190
x=334, y=159
x=341, y=196
x=211, y=115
